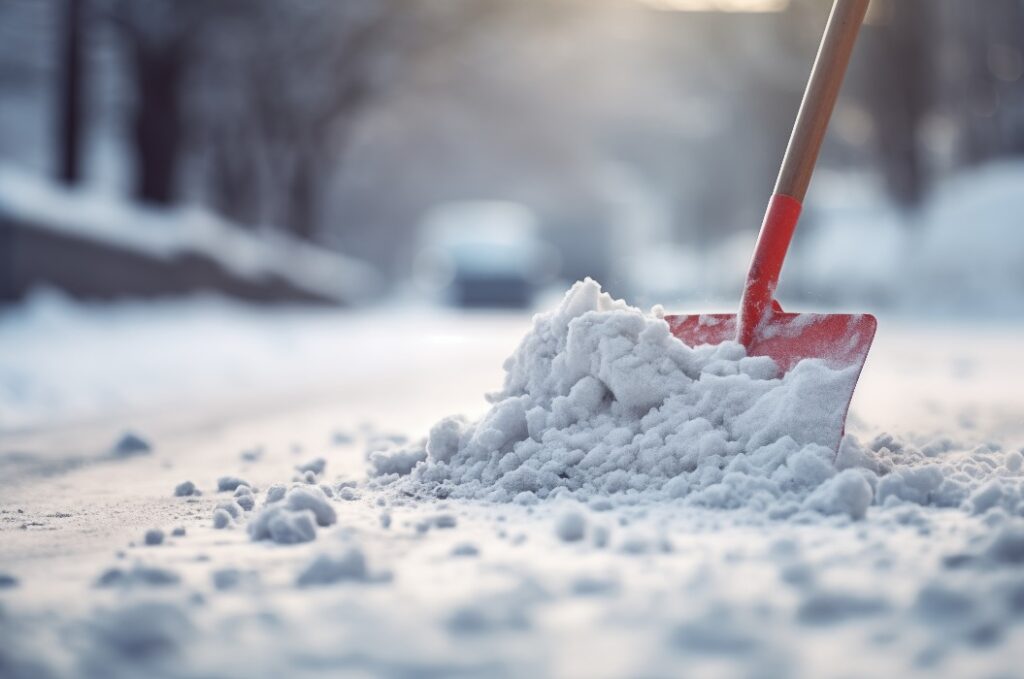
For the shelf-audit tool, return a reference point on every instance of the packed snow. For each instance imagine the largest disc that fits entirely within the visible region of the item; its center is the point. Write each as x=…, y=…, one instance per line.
x=702, y=538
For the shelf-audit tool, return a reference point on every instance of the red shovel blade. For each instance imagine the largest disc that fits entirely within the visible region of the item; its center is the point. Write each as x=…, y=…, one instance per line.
x=840, y=340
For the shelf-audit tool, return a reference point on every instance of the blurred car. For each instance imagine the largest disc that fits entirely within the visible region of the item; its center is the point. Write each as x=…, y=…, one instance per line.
x=478, y=254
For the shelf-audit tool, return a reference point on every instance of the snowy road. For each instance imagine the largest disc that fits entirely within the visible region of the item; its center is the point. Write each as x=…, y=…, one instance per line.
x=649, y=590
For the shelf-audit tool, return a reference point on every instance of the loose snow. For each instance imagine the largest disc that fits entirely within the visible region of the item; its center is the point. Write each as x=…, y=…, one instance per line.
x=625, y=506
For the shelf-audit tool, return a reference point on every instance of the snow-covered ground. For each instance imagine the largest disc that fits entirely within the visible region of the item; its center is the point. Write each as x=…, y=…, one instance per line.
x=407, y=586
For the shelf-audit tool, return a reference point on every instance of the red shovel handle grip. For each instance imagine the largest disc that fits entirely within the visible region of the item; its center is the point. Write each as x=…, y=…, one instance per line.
x=776, y=233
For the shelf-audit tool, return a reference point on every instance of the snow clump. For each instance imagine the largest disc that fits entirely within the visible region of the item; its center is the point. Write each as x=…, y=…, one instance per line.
x=230, y=483
x=571, y=527
x=327, y=570
x=130, y=445
x=293, y=518
x=185, y=489
x=154, y=536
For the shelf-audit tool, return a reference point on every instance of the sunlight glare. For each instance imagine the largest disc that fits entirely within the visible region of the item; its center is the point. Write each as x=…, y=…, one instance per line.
x=718, y=5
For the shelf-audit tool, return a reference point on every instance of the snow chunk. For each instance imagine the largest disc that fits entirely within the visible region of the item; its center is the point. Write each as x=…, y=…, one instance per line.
x=316, y=466
x=465, y=549
x=221, y=518
x=293, y=519
x=313, y=499
x=919, y=485
x=154, y=536
x=571, y=526
x=130, y=445
x=138, y=575
x=830, y=607
x=938, y=603
x=715, y=633
x=276, y=493
x=246, y=500
x=1008, y=545
x=284, y=526
x=185, y=489
x=989, y=495
x=846, y=493
x=444, y=438
x=141, y=631
x=399, y=461
x=444, y=521
x=230, y=483
x=1014, y=461
x=328, y=570
x=233, y=509
x=226, y=578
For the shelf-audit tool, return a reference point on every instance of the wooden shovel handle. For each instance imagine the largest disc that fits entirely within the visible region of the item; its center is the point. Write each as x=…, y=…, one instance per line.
x=820, y=97
x=797, y=167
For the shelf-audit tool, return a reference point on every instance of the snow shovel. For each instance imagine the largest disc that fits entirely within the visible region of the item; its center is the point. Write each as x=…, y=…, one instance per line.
x=841, y=340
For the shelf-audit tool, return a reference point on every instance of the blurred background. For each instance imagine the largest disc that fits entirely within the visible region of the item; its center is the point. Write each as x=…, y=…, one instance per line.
x=477, y=152
x=452, y=154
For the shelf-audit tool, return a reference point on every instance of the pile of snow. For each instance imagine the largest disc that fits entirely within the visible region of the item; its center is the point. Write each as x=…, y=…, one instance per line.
x=601, y=399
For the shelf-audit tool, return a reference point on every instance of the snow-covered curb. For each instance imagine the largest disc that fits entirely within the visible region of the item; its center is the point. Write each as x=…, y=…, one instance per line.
x=167, y=234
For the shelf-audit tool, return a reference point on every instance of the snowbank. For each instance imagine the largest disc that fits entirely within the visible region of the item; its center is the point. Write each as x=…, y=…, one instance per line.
x=962, y=253
x=970, y=255
x=166, y=235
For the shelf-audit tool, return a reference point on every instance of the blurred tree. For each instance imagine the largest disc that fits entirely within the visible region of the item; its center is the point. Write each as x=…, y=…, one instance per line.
x=287, y=83
x=899, y=51
x=159, y=38
x=942, y=80
x=70, y=85
x=318, y=64
x=983, y=75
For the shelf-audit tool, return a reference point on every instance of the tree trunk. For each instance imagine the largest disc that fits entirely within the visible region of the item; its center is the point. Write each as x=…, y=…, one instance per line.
x=900, y=61
x=304, y=196
x=157, y=122
x=234, y=178
x=69, y=95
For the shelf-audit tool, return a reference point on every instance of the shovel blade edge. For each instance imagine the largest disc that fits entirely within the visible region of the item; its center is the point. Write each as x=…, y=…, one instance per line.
x=842, y=341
